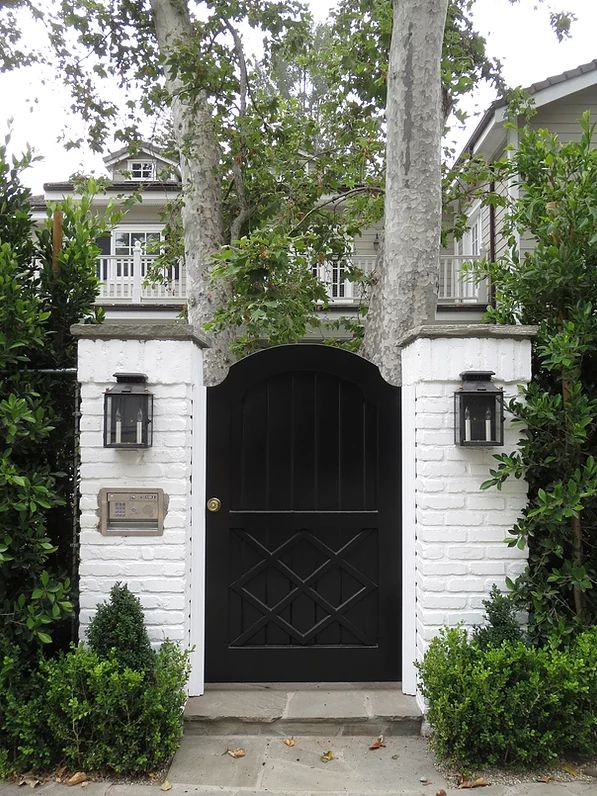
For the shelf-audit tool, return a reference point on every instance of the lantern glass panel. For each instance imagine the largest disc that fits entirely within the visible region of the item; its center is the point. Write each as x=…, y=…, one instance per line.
x=479, y=418
x=127, y=420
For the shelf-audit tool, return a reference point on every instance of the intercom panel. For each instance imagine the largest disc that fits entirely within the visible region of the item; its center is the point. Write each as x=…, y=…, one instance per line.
x=132, y=511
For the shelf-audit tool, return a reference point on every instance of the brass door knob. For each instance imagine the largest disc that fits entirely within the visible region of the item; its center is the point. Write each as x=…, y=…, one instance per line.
x=214, y=504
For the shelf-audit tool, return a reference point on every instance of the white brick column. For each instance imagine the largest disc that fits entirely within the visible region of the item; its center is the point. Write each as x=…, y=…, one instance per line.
x=453, y=534
x=156, y=568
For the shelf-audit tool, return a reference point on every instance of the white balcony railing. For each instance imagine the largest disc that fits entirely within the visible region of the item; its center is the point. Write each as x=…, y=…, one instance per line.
x=333, y=275
x=123, y=281
x=457, y=287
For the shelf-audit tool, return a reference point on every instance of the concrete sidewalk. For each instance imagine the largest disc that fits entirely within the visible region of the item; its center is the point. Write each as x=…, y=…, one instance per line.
x=203, y=768
x=107, y=789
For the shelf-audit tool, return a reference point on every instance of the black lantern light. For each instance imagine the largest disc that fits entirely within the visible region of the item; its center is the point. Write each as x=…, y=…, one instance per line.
x=478, y=411
x=128, y=412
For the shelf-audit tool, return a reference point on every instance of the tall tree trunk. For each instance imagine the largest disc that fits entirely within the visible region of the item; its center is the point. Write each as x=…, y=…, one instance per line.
x=202, y=217
x=405, y=293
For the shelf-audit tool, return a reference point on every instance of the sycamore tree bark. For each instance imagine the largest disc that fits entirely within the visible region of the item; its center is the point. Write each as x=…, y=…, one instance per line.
x=202, y=217
x=405, y=291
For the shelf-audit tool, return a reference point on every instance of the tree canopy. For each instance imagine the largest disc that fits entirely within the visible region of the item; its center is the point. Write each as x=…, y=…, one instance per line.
x=265, y=140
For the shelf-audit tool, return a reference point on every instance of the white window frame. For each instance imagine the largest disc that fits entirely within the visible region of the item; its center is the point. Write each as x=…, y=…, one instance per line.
x=470, y=244
x=142, y=165
x=134, y=229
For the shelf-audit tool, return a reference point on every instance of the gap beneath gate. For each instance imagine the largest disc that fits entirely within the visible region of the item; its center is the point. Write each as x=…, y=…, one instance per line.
x=288, y=709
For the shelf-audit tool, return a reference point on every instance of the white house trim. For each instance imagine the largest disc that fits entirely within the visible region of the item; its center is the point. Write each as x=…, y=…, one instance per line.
x=196, y=575
x=145, y=152
x=569, y=86
x=409, y=630
x=492, y=135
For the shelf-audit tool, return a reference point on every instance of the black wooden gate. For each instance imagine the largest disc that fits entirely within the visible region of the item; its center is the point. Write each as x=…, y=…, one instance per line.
x=303, y=557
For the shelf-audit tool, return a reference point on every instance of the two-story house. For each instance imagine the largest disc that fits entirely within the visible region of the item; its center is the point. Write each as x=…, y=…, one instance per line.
x=125, y=293
x=559, y=101
x=122, y=266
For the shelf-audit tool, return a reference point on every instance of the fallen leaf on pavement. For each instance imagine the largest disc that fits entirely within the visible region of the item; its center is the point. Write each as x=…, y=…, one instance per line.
x=31, y=781
x=479, y=782
x=544, y=778
x=327, y=756
x=77, y=778
x=441, y=792
x=377, y=744
x=236, y=753
x=85, y=784
x=569, y=769
x=165, y=785
x=60, y=772
x=424, y=781
x=289, y=742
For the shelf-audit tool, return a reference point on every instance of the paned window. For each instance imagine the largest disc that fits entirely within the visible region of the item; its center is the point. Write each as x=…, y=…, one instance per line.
x=475, y=237
x=124, y=242
x=142, y=170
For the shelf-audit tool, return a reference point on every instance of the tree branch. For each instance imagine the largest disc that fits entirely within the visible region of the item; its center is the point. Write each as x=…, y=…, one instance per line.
x=337, y=198
x=244, y=210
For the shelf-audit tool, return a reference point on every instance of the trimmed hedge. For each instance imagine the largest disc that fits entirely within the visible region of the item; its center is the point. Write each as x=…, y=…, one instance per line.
x=115, y=705
x=106, y=716
x=512, y=704
x=91, y=714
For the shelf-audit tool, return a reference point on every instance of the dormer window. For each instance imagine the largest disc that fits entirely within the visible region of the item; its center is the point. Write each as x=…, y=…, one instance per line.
x=143, y=170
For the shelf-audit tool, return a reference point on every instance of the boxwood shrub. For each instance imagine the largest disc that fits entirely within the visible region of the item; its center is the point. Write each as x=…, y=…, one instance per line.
x=113, y=706
x=118, y=629
x=510, y=704
x=104, y=716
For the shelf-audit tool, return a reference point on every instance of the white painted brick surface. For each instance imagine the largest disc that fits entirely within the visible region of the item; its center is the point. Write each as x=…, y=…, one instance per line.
x=458, y=530
x=154, y=567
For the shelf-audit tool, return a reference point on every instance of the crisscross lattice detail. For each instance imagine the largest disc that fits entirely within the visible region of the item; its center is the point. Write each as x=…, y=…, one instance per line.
x=304, y=586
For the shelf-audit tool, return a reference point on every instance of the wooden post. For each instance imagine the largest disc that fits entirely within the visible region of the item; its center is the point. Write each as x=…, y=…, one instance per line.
x=57, y=232
x=137, y=280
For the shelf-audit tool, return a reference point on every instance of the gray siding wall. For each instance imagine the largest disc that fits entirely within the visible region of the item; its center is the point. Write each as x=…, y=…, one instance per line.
x=563, y=115
x=364, y=244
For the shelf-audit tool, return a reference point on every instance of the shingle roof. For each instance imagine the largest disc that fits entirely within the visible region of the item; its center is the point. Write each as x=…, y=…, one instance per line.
x=534, y=88
x=561, y=78
x=143, y=147
x=118, y=186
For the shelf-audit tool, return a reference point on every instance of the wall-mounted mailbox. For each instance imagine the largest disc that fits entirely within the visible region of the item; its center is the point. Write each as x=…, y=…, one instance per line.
x=132, y=512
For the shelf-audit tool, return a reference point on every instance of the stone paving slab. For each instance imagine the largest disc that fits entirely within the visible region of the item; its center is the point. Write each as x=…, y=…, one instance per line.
x=203, y=761
x=242, y=705
x=322, y=705
x=279, y=709
x=354, y=770
x=392, y=704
